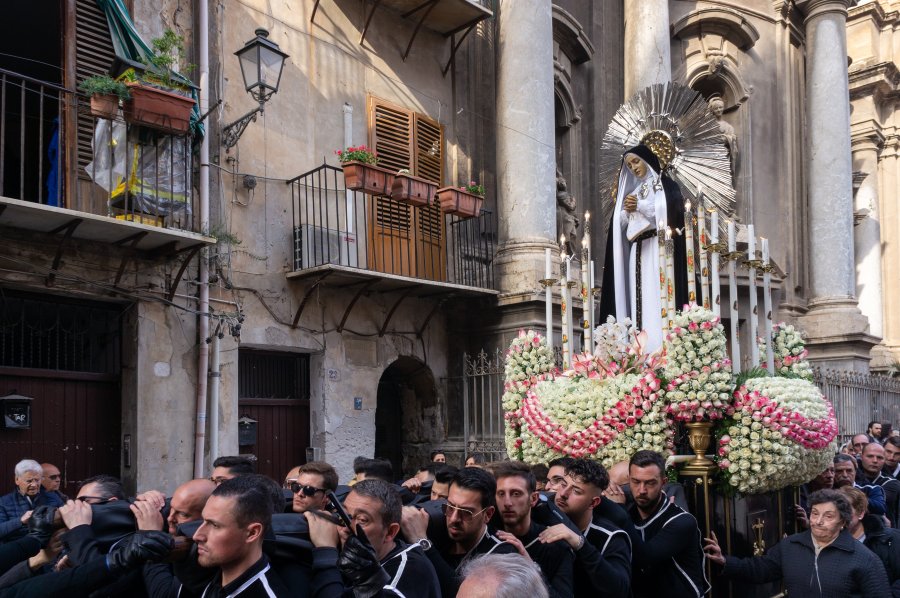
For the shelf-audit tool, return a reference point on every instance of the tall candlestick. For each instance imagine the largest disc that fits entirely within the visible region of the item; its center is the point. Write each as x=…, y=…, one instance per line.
x=767, y=306
x=704, y=258
x=570, y=321
x=591, y=305
x=564, y=301
x=754, y=311
x=670, y=276
x=663, y=283
x=548, y=295
x=689, y=246
x=715, y=299
x=733, y=299
x=585, y=291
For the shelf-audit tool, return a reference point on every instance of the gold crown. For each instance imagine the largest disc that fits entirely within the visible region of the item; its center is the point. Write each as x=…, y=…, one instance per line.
x=662, y=146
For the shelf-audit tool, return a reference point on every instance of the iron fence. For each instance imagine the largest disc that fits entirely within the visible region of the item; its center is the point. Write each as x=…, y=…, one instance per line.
x=859, y=398
x=54, y=152
x=334, y=225
x=483, y=421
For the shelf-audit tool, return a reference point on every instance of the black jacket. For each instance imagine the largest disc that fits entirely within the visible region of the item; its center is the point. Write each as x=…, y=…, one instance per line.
x=891, y=489
x=603, y=563
x=555, y=560
x=448, y=565
x=843, y=569
x=411, y=572
x=885, y=543
x=668, y=559
x=259, y=581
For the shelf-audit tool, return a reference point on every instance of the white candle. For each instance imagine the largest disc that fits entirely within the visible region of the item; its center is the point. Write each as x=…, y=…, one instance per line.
x=591, y=303
x=732, y=295
x=663, y=291
x=564, y=301
x=689, y=252
x=754, y=310
x=570, y=321
x=585, y=289
x=716, y=294
x=767, y=306
x=704, y=258
x=548, y=295
x=670, y=276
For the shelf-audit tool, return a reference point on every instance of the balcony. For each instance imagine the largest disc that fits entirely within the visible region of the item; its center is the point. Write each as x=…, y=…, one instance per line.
x=64, y=172
x=343, y=238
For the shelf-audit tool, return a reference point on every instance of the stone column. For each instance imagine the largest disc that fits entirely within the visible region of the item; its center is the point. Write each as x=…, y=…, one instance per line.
x=867, y=231
x=890, y=223
x=648, y=56
x=837, y=330
x=526, y=163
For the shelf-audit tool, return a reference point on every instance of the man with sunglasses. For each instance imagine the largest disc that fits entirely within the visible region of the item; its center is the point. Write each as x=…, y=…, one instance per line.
x=310, y=486
x=52, y=481
x=469, y=508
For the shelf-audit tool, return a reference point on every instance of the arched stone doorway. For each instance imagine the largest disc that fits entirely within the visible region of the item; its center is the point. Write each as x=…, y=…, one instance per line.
x=408, y=420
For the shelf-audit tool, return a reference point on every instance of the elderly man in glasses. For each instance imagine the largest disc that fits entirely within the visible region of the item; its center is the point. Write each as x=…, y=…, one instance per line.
x=469, y=508
x=309, y=484
x=16, y=507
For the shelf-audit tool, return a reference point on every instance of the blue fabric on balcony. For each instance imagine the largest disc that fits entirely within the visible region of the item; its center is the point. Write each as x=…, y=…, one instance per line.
x=128, y=43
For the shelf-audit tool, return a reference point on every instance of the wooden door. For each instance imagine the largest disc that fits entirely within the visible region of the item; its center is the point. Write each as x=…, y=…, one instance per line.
x=76, y=424
x=274, y=391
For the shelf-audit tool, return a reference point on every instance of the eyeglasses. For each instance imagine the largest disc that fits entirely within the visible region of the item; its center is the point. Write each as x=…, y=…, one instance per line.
x=94, y=500
x=465, y=515
x=296, y=487
x=218, y=480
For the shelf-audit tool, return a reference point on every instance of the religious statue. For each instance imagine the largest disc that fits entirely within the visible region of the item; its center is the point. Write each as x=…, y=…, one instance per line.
x=647, y=201
x=566, y=220
x=717, y=107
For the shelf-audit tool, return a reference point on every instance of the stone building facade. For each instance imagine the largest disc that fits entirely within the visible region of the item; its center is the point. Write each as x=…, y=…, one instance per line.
x=507, y=94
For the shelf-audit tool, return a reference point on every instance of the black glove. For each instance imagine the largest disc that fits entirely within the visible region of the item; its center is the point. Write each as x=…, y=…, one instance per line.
x=41, y=525
x=361, y=569
x=139, y=548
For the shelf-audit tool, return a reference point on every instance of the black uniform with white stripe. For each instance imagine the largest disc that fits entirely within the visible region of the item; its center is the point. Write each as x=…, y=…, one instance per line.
x=669, y=560
x=259, y=581
x=603, y=563
x=447, y=565
x=412, y=574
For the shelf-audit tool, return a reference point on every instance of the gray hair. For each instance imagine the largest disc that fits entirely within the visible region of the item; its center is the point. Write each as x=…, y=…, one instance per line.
x=28, y=465
x=516, y=575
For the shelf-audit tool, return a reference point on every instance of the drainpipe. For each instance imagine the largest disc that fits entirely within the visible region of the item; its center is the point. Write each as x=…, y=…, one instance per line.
x=215, y=375
x=203, y=316
x=348, y=141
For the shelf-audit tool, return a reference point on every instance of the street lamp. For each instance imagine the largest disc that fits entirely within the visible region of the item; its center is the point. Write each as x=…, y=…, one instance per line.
x=262, y=62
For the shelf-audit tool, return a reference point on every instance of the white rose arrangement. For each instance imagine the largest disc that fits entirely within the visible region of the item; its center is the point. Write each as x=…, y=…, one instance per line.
x=790, y=352
x=697, y=370
x=782, y=433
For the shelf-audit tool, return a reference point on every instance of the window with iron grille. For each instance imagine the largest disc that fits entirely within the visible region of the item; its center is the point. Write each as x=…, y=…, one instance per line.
x=272, y=375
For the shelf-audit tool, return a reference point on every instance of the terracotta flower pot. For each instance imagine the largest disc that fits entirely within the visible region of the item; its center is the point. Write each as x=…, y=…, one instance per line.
x=460, y=202
x=368, y=178
x=158, y=109
x=105, y=105
x=413, y=190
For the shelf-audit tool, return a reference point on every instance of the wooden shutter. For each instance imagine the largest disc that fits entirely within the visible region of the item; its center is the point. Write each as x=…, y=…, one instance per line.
x=407, y=241
x=94, y=55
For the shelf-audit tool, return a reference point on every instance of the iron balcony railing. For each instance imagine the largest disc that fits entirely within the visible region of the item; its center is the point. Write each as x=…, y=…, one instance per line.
x=54, y=152
x=333, y=225
x=859, y=398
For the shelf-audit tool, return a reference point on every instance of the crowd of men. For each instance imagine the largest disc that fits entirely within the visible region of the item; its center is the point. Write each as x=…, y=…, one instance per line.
x=569, y=528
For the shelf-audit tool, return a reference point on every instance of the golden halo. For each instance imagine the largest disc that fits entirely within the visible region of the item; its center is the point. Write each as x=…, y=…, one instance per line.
x=662, y=146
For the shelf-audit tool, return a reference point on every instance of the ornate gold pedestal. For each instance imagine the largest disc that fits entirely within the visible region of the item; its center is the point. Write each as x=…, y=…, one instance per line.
x=699, y=435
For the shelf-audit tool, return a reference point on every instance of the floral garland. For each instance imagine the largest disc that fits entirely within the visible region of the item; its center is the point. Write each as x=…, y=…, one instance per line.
x=790, y=352
x=782, y=433
x=697, y=369
x=528, y=361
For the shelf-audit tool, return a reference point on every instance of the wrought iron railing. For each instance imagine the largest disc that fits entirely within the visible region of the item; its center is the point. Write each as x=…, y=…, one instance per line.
x=859, y=398
x=333, y=225
x=54, y=152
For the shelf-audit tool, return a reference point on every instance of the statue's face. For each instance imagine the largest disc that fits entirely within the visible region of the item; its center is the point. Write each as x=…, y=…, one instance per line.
x=717, y=107
x=637, y=166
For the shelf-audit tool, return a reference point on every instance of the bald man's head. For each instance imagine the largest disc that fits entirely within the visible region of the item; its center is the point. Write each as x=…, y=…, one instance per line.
x=188, y=501
x=618, y=473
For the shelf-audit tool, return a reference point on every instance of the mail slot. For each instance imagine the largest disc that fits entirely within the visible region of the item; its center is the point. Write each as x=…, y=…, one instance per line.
x=16, y=411
x=247, y=431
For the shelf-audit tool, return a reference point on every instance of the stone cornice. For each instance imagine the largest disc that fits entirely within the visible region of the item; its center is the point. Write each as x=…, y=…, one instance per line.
x=571, y=37
x=874, y=10
x=727, y=22
x=880, y=79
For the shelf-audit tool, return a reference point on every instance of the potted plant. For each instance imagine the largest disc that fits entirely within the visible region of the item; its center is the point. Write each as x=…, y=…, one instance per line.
x=160, y=98
x=463, y=201
x=105, y=94
x=412, y=190
x=361, y=172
